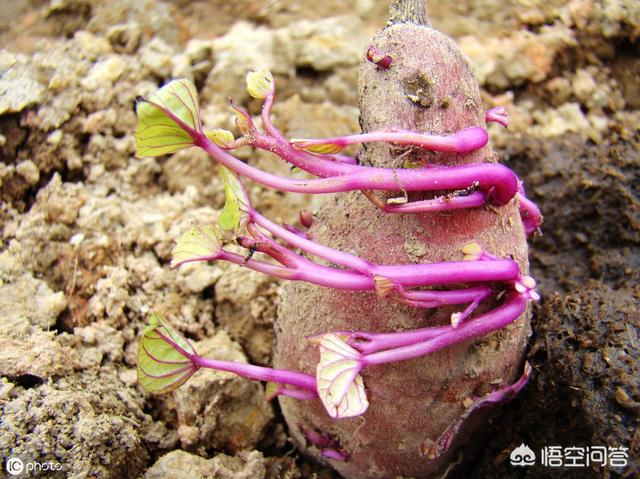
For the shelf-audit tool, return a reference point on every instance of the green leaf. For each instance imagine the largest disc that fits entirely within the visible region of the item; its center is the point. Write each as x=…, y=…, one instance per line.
x=232, y=214
x=167, y=119
x=260, y=83
x=163, y=361
x=199, y=243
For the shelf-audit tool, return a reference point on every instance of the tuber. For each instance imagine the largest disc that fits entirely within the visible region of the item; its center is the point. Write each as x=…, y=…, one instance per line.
x=429, y=87
x=405, y=314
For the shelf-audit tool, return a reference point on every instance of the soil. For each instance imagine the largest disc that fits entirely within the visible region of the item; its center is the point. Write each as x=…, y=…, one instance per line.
x=87, y=228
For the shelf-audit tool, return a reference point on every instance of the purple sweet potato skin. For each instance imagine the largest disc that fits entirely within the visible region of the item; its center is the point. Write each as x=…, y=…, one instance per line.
x=429, y=87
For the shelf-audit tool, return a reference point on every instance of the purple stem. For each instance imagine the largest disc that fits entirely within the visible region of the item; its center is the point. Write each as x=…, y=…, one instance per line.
x=463, y=141
x=299, y=394
x=435, y=274
x=435, y=299
x=249, y=371
x=368, y=343
x=311, y=247
x=478, y=326
x=497, y=181
x=266, y=118
x=330, y=453
x=530, y=214
x=442, y=203
x=436, y=448
x=323, y=166
x=295, y=230
x=403, y=275
x=412, y=275
x=497, y=114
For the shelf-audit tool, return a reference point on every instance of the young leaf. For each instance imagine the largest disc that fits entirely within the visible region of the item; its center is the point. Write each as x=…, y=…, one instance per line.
x=231, y=216
x=163, y=357
x=197, y=244
x=314, y=146
x=471, y=252
x=384, y=286
x=260, y=83
x=167, y=119
x=221, y=137
x=340, y=385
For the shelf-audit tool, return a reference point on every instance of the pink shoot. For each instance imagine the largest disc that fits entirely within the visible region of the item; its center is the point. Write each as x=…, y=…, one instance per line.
x=170, y=120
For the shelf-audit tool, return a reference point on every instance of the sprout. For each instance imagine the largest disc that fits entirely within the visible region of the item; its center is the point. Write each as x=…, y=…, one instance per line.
x=340, y=385
x=170, y=120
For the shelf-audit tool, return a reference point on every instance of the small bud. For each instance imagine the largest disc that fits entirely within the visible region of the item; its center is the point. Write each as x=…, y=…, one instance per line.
x=336, y=455
x=220, y=137
x=399, y=200
x=381, y=60
x=471, y=251
x=456, y=319
x=260, y=83
x=383, y=285
x=499, y=115
x=243, y=125
x=521, y=288
x=306, y=218
x=528, y=281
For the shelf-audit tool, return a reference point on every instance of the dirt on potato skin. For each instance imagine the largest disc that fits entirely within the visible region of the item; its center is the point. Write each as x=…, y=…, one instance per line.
x=559, y=67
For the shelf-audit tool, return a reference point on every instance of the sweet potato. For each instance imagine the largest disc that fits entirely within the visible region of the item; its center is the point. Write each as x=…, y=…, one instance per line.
x=428, y=87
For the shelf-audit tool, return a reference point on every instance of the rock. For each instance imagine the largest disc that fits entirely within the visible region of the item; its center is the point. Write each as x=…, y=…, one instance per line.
x=182, y=465
x=196, y=277
x=29, y=171
x=555, y=122
x=92, y=45
x=243, y=48
x=156, y=56
x=38, y=355
x=61, y=202
x=322, y=44
x=84, y=422
x=25, y=302
x=521, y=56
x=125, y=37
x=104, y=73
x=19, y=86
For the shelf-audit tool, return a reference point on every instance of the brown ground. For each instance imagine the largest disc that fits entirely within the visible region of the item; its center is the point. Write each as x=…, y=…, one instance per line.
x=87, y=228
